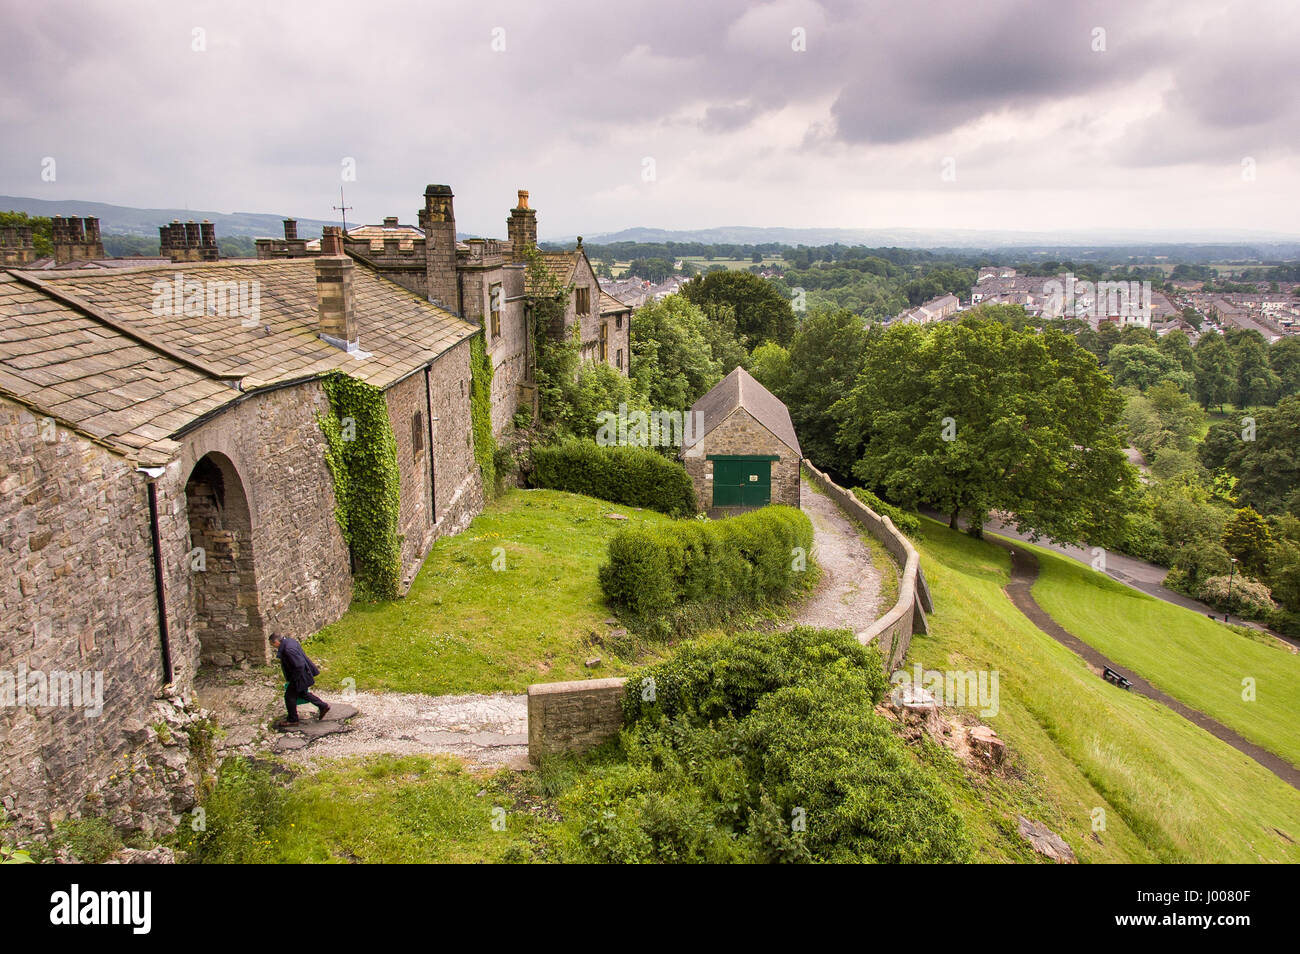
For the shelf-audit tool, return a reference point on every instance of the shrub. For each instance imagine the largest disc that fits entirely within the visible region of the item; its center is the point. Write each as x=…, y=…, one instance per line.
x=728, y=677
x=633, y=476
x=1248, y=597
x=747, y=735
x=241, y=813
x=904, y=521
x=714, y=565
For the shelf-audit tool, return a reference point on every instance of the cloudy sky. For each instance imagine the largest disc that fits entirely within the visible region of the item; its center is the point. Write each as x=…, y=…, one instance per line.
x=998, y=114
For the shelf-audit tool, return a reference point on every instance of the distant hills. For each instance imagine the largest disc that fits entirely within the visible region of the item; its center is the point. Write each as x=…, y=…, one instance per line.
x=124, y=220
x=1272, y=244
x=1227, y=244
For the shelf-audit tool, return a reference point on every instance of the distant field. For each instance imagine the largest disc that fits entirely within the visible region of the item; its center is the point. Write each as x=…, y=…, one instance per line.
x=701, y=263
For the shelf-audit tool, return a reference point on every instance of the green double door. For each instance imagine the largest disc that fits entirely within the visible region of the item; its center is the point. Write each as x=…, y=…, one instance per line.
x=742, y=481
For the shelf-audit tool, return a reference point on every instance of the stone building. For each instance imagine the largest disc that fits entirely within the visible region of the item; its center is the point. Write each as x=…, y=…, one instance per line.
x=166, y=500
x=485, y=281
x=740, y=448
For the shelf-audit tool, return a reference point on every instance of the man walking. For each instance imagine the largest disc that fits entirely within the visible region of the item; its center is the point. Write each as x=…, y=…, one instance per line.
x=300, y=674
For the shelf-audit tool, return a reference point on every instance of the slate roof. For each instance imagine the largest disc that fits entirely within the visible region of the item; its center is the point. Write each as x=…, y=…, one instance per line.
x=561, y=265
x=610, y=305
x=740, y=390
x=88, y=349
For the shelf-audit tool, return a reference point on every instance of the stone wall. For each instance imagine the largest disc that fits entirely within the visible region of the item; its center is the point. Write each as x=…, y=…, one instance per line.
x=458, y=486
x=741, y=434
x=893, y=631
x=77, y=596
x=408, y=411
x=573, y=716
x=301, y=570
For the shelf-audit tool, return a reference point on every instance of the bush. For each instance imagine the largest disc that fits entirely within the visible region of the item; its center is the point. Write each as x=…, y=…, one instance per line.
x=710, y=565
x=765, y=747
x=240, y=815
x=1249, y=598
x=904, y=521
x=633, y=476
x=727, y=678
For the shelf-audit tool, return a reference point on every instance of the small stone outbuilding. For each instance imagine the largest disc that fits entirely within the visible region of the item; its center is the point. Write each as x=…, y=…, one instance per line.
x=740, y=448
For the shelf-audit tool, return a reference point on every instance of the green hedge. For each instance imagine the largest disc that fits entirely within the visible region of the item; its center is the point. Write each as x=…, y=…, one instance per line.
x=712, y=564
x=750, y=734
x=633, y=476
x=904, y=521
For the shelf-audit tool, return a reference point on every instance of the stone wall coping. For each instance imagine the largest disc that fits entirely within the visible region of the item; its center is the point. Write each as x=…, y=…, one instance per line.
x=577, y=685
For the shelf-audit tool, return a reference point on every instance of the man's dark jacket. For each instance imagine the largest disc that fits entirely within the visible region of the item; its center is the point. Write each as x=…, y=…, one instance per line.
x=299, y=671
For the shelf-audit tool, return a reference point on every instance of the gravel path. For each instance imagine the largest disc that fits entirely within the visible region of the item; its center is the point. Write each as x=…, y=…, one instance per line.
x=848, y=594
x=487, y=731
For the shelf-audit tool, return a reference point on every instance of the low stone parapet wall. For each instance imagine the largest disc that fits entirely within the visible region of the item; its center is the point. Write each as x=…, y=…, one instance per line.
x=573, y=716
x=892, y=633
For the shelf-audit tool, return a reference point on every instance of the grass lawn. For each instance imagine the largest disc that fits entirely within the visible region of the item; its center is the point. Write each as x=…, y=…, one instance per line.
x=1196, y=660
x=402, y=810
x=467, y=627
x=1169, y=791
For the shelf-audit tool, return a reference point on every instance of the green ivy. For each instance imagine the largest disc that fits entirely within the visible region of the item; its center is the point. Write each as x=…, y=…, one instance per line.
x=361, y=453
x=480, y=394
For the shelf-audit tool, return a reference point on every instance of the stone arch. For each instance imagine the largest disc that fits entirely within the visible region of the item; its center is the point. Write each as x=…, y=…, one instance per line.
x=228, y=620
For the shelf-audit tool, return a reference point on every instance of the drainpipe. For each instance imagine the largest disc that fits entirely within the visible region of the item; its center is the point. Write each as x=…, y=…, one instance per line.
x=153, y=473
x=428, y=403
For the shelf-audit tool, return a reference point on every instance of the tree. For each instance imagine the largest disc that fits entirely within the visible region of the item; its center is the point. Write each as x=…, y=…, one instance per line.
x=1246, y=537
x=824, y=361
x=1268, y=468
x=762, y=313
x=1141, y=366
x=770, y=366
x=1256, y=382
x=1176, y=345
x=42, y=230
x=672, y=362
x=975, y=417
x=1216, y=371
x=1284, y=358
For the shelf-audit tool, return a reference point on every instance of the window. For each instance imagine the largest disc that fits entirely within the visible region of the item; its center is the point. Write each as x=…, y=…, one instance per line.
x=620, y=359
x=618, y=322
x=582, y=300
x=604, y=341
x=494, y=304
x=417, y=435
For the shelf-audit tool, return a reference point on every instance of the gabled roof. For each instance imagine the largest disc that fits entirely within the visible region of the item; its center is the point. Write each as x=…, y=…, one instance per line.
x=90, y=349
x=561, y=265
x=740, y=390
x=610, y=305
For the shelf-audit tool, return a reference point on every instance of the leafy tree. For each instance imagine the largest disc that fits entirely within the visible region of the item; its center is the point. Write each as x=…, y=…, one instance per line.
x=1256, y=382
x=672, y=362
x=770, y=366
x=974, y=417
x=1284, y=358
x=1178, y=346
x=824, y=360
x=762, y=313
x=1141, y=366
x=1246, y=537
x=1268, y=468
x=1216, y=372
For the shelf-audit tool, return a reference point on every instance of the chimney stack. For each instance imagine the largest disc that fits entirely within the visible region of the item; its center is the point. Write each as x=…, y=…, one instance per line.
x=338, y=320
x=291, y=229
x=390, y=221
x=521, y=228
x=76, y=239
x=187, y=242
x=438, y=219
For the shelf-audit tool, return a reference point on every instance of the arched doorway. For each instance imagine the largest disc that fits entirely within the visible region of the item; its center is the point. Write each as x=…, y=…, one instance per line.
x=228, y=622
